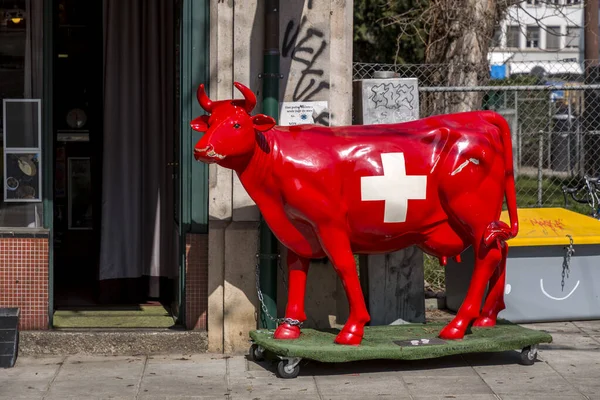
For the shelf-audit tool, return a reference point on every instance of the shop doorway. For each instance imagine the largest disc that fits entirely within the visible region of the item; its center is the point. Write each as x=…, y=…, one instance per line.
x=115, y=154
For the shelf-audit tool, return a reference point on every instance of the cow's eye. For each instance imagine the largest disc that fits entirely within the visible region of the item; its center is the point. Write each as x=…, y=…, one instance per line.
x=237, y=126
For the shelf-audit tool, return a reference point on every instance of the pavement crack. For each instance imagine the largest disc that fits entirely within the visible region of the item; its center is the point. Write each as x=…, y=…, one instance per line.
x=565, y=379
x=480, y=377
x=227, y=381
x=585, y=333
x=317, y=387
x=54, y=377
x=139, y=384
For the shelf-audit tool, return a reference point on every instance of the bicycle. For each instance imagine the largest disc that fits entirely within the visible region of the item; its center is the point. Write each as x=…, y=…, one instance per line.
x=586, y=193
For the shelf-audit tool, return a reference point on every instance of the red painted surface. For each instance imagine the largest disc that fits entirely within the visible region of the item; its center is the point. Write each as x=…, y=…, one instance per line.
x=343, y=190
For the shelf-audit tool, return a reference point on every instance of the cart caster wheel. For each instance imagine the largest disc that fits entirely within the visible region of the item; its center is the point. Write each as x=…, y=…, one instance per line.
x=529, y=355
x=256, y=353
x=288, y=368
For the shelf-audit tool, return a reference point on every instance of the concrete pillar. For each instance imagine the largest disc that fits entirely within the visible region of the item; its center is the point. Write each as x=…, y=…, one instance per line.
x=394, y=282
x=239, y=292
x=236, y=55
x=220, y=179
x=342, y=12
x=325, y=301
x=236, y=37
x=216, y=281
x=247, y=66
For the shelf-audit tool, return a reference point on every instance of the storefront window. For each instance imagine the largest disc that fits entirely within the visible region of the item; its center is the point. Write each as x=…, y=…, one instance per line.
x=20, y=120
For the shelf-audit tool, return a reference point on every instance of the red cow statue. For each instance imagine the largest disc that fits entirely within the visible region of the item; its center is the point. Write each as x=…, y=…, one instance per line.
x=438, y=183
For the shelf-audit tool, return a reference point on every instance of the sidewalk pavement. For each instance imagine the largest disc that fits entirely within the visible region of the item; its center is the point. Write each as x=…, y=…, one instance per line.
x=568, y=368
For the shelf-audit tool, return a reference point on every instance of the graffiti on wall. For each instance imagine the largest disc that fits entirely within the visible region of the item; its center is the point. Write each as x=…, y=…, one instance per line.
x=393, y=96
x=306, y=46
x=387, y=101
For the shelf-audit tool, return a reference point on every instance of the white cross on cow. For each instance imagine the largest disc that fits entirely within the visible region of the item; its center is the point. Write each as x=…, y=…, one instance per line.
x=394, y=187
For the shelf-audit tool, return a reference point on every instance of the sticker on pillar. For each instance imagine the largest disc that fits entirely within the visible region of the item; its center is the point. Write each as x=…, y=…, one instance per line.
x=300, y=113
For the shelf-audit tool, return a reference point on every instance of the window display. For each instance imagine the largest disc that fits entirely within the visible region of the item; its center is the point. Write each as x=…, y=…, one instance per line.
x=23, y=179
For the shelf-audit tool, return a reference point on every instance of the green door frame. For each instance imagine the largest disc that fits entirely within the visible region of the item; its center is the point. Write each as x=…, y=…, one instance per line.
x=194, y=56
x=48, y=145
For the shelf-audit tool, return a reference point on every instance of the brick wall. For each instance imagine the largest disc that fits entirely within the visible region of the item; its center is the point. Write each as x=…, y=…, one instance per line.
x=24, y=279
x=196, y=282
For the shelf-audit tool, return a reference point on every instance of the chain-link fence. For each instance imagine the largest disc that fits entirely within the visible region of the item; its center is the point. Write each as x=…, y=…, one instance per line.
x=553, y=111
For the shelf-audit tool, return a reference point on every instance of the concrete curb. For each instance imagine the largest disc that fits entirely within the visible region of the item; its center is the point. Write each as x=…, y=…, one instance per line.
x=112, y=342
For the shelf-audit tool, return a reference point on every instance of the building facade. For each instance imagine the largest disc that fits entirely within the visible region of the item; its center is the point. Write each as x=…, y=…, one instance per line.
x=102, y=206
x=543, y=34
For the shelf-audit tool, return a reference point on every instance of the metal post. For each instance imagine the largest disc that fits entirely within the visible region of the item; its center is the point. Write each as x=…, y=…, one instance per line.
x=592, y=97
x=569, y=166
x=540, y=166
x=520, y=138
x=516, y=139
x=519, y=133
x=549, y=162
x=270, y=106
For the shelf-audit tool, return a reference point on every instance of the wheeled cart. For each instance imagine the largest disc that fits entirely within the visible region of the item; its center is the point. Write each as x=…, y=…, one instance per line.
x=401, y=342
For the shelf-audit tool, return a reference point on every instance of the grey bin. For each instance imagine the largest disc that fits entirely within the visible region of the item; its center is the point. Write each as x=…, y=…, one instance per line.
x=535, y=290
x=564, y=146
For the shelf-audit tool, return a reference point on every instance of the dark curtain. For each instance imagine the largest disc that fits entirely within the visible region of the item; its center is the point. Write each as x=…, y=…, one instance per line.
x=137, y=217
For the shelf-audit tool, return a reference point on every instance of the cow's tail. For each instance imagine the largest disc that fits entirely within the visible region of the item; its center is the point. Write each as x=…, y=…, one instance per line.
x=499, y=230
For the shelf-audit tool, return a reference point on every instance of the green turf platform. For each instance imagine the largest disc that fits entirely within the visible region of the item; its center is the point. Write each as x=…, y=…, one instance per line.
x=379, y=342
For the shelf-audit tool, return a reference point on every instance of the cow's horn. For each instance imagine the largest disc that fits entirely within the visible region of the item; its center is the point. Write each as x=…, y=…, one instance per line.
x=203, y=99
x=248, y=95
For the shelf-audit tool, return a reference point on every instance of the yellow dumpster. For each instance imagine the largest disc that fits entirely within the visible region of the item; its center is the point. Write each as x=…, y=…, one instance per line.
x=552, y=271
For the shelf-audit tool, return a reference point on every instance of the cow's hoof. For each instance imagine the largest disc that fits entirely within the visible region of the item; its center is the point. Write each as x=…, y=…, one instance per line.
x=451, y=333
x=348, y=338
x=286, y=332
x=484, y=322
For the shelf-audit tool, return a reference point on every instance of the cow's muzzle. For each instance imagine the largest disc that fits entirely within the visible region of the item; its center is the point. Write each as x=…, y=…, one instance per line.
x=207, y=155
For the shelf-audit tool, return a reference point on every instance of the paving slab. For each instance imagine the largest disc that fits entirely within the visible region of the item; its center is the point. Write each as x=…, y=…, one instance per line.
x=457, y=397
x=447, y=385
x=302, y=387
x=361, y=385
x=31, y=378
x=553, y=327
x=199, y=375
x=591, y=328
x=543, y=397
x=100, y=377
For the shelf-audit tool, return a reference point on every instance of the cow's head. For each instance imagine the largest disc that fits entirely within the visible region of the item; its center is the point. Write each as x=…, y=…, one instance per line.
x=230, y=132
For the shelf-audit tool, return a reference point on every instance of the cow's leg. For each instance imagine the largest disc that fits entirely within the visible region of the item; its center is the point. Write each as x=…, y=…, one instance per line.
x=297, y=272
x=486, y=262
x=495, y=299
x=337, y=246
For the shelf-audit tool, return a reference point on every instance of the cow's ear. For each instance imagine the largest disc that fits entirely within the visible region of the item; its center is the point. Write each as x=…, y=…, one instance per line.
x=200, y=124
x=262, y=122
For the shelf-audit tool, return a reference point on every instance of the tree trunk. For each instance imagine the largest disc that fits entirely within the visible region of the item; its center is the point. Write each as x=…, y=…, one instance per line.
x=459, y=37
